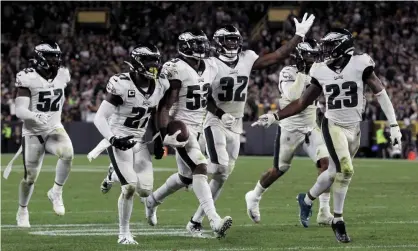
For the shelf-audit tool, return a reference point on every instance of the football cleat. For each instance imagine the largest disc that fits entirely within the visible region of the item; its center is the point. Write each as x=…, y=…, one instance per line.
x=127, y=240
x=305, y=211
x=151, y=210
x=107, y=182
x=22, y=217
x=221, y=227
x=324, y=216
x=57, y=202
x=195, y=229
x=253, y=209
x=340, y=232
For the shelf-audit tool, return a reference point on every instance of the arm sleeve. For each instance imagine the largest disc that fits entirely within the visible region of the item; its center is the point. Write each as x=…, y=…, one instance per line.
x=106, y=109
x=291, y=84
x=22, y=108
x=387, y=107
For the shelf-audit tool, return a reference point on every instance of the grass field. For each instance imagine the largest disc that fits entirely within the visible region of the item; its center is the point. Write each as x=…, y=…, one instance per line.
x=381, y=211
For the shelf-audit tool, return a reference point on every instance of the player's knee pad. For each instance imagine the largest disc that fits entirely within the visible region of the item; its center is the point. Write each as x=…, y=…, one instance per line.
x=66, y=153
x=283, y=167
x=128, y=190
x=200, y=169
x=31, y=174
x=143, y=192
x=347, y=167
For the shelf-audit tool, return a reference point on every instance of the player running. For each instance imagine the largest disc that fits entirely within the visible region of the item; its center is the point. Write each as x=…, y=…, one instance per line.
x=122, y=119
x=190, y=78
x=342, y=77
x=292, y=132
x=223, y=124
x=39, y=101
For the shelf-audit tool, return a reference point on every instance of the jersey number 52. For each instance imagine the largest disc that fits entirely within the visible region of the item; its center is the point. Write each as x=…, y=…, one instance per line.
x=49, y=101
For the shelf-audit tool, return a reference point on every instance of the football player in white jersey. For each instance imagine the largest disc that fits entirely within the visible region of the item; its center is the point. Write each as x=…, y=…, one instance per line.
x=39, y=101
x=223, y=124
x=342, y=78
x=190, y=78
x=292, y=132
x=122, y=119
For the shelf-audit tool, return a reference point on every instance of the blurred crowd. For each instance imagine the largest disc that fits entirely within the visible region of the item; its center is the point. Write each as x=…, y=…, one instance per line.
x=388, y=31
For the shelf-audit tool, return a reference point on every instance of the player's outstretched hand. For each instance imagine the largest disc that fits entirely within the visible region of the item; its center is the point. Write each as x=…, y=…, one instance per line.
x=395, y=135
x=41, y=118
x=266, y=120
x=158, y=148
x=171, y=140
x=303, y=27
x=228, y=119
x=122, y=143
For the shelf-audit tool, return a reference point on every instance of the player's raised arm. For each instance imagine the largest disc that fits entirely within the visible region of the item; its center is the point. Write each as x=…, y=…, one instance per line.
x=106, y=109
x=284, y=51
x=370, y=79
x=295, y=107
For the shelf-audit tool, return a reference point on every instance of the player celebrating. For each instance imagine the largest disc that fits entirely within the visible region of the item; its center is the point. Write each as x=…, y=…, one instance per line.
x=342, y=77
x=223, y=124
x=39, y=101
x=292, y=132
x=122, y=119
x=190, y=77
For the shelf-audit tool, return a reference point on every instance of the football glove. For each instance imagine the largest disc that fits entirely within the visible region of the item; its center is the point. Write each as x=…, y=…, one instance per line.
x=158, y=148
x=122, y=143
x=395, y=135
x=171, y=140
x=266, y=120
x=228, y=120
x=41, y=118
x=303, y=27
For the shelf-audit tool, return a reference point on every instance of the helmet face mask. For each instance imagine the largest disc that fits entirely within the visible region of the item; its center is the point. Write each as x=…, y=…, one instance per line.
x=193, y=44
x=145, y=60
x=228, y=41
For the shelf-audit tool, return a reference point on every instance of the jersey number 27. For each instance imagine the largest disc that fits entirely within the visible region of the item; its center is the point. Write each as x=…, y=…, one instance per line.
x=140, y=112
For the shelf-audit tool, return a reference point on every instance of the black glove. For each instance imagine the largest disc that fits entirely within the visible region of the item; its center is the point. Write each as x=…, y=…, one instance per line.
x=158, y=148
x=123, y=143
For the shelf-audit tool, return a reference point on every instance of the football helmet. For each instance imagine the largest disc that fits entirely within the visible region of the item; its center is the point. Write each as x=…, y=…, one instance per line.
x=47, y=56
x=228, y=41
x=193, y=44
x=337, y=43
x=307, y=53
x=145, y=59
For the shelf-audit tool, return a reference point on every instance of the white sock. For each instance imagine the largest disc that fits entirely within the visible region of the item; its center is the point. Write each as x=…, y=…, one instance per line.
x=57, y=188
x=324, y=200
x=114, y=177
x=259, y=189
x=62, y=171
x=323, y=182
x=202, y=190
x=25, y=193
x=171, y=185
x=337, y=219
x=339, y=192
x=125, y=210
x=215, y=185
x=308, y=200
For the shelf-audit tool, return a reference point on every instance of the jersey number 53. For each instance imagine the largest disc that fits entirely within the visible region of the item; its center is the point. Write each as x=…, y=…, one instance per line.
x=198, y=96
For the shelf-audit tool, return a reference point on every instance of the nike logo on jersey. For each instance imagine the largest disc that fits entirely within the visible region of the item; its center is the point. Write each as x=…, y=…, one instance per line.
x=146, y=103
x=200, y=80
x=233, y=71
x=338, y=77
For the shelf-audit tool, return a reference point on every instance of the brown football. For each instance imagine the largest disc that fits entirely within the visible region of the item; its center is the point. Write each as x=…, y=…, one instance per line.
x=176, y=125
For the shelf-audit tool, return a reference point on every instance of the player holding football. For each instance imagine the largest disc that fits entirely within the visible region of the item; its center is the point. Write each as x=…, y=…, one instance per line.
x=122, y=119
x=292, y=132
x=342, y=78
x=190, y=77
x=223, y=124
x=39, y=101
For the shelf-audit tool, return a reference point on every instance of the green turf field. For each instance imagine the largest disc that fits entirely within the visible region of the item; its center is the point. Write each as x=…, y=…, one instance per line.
x=381, y=211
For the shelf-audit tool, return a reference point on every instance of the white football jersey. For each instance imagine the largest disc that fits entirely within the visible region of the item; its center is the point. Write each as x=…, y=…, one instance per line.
x=229, y=90
x=291, y=86
x=131, y=118
x=46, y=96
x=343, y=91
x=191, y=106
